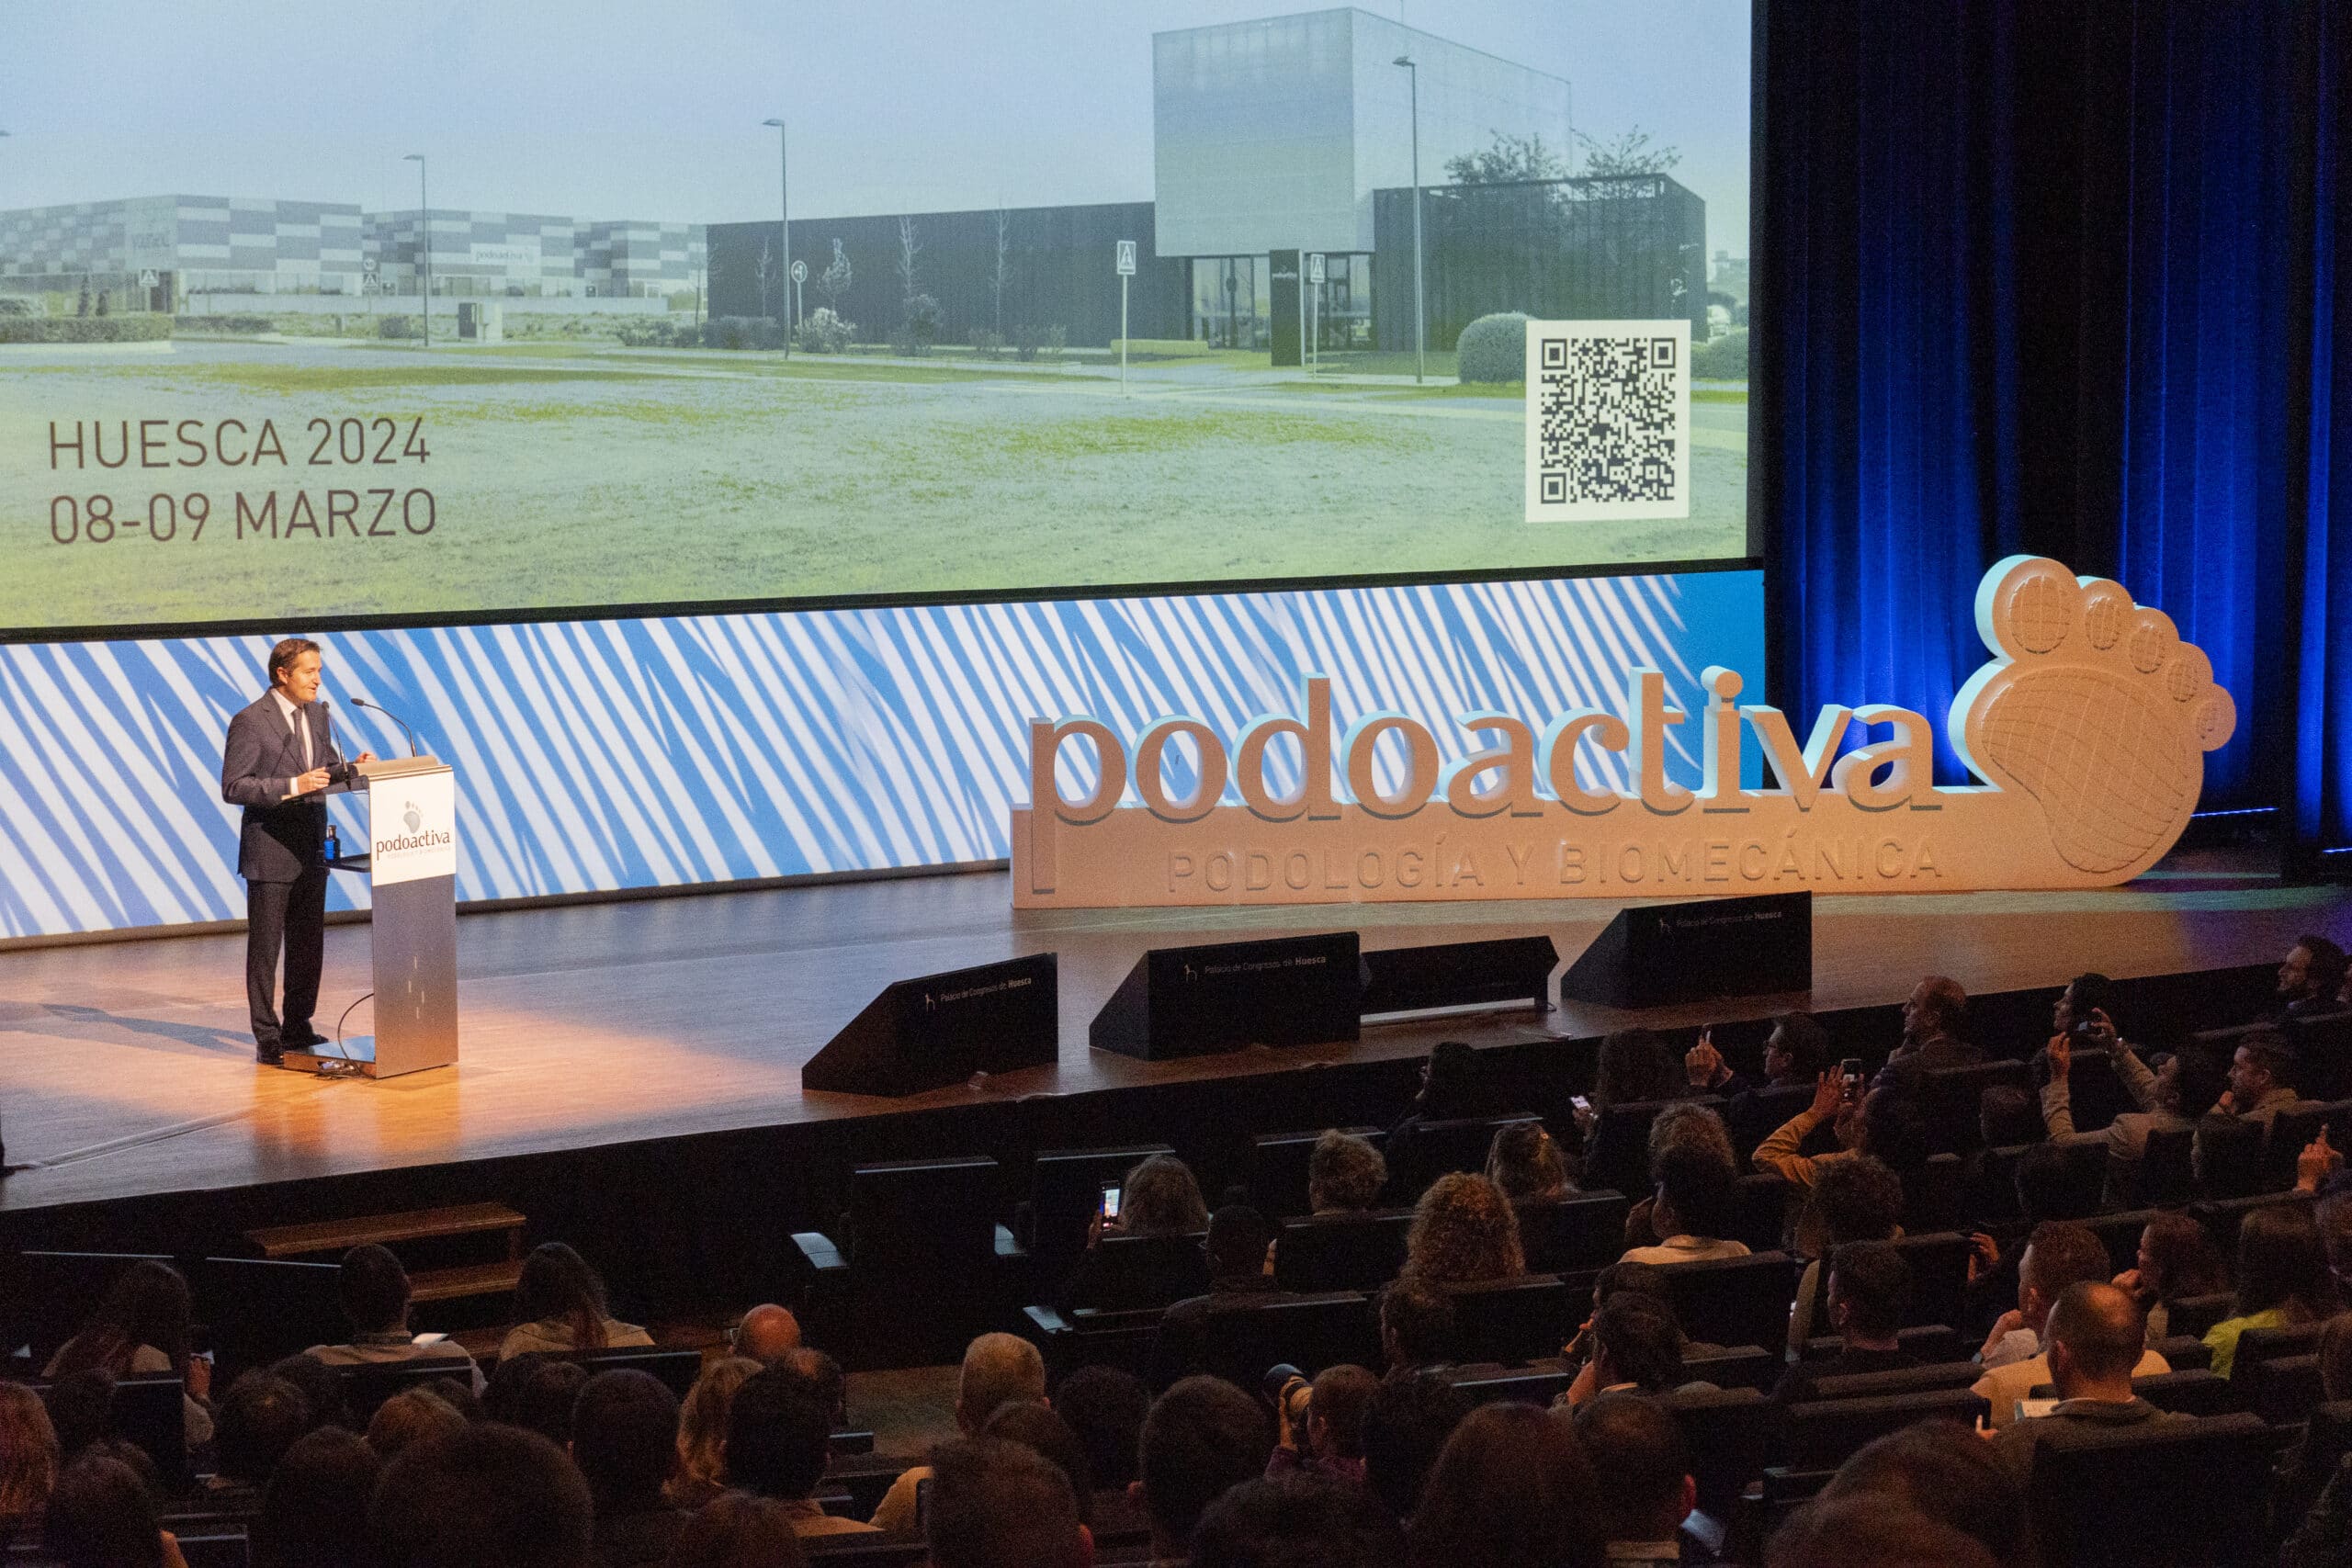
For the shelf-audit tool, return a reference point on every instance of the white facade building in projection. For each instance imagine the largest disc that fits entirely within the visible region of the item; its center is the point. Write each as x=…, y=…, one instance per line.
x=1275, y=133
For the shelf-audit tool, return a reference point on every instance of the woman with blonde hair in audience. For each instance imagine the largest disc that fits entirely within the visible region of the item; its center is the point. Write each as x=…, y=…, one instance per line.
x=2176, y=1260
x=1527, y=1165
x=2283, y=1280
x=560, y=1301
x=28, y=1463
x=142, y=1326
x=702, y=1432
x=1463, y=1232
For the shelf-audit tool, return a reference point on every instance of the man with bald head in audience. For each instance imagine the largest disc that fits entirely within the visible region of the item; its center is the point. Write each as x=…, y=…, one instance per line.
x=766, y=1333
x=2095, y=1336
x=999, y=1370
x=2058, y=1257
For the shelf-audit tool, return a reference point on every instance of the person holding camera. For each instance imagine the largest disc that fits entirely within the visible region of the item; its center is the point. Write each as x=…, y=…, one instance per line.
x=1321, y=1431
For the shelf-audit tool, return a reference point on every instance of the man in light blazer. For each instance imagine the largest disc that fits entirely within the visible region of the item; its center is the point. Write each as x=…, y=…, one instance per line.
x=275, y=765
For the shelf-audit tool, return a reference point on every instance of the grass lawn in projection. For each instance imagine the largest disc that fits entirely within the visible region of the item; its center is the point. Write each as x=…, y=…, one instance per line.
x=564, y=474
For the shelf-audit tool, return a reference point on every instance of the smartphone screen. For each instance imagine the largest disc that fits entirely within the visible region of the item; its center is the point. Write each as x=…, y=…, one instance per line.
x=1850, y=1072
x=1580, y=1102
x=1110, y=1200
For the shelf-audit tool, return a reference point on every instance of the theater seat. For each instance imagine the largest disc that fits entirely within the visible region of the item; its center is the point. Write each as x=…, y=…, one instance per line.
x=2291, y=1130
x=1738, y=1366
x=1585, y=1231
x=1939, y=1261
x=1437, y=1147
x=1948, y=1097
x=1904, y=1380
x=1932, y=1195
x=1510, y=1321
x=1933, y=1345
x=914, y=1230
x=1734, y=1301
x=1761, y=1213
x=1343, y=1252
x=1538, y=1383
x=2159, y=1495
x=1065, y=1189
x=1241, y=1341
x=2230, y=1157
x=1618, y=1155
x=2121, y=1234
x=1824, y=1434
x=1128, y=1273
x=1732, y=1434
x=2166, y=1171
x=2195, y=1392
x=1278, y=1168
x=2221, y=1217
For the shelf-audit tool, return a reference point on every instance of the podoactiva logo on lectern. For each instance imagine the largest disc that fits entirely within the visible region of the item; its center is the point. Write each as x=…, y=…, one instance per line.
x=2087, y=729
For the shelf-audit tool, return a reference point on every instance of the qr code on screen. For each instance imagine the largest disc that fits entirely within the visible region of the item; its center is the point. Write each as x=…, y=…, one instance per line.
x=1608, y=420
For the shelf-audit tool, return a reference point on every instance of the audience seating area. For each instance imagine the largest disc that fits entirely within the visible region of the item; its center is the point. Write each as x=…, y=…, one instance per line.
x=925, y=1255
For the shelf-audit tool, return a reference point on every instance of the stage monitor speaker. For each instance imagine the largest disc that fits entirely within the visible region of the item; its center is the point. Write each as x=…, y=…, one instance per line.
x=1688, y=952
x=1194, y=1001
x=1502, y=972
x=937, y=1030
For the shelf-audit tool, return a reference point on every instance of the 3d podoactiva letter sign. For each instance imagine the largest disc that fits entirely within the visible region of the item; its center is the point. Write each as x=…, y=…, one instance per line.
x=2087, y=727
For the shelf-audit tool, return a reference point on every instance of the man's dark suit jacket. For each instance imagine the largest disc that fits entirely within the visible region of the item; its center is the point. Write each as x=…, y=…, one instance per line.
x=278, y=839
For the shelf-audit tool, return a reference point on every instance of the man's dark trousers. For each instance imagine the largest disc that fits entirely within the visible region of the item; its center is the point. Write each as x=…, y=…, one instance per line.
x=292, y=915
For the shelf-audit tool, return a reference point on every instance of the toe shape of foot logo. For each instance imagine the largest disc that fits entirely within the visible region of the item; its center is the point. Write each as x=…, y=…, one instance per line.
x=2095, y=707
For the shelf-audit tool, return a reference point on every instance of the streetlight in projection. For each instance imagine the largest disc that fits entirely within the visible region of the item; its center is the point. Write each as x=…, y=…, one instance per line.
x=423, y=247
x=1421, y=331
x=784, y=221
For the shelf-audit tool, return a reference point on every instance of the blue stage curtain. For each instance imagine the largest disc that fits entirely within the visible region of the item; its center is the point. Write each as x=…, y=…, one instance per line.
x=2065, y=278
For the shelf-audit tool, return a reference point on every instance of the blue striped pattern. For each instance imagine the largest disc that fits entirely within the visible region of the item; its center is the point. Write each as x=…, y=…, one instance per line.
x=613, y=754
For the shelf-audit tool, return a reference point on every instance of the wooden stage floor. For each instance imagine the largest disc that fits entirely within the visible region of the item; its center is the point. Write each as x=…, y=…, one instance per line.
x=126, y=1071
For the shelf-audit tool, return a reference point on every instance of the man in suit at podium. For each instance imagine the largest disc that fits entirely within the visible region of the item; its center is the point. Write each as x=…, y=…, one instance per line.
x=276, y=765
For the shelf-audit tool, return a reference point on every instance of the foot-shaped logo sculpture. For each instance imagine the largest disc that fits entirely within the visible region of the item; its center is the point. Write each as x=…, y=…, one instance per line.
x=2093, y=707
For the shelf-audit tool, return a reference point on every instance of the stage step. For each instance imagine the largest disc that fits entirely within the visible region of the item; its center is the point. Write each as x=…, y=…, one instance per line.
x=468, y=1279
x=388, y=1230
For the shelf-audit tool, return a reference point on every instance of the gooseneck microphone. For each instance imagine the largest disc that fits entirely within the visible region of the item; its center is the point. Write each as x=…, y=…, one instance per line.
x=378, y=708
x=339, y=769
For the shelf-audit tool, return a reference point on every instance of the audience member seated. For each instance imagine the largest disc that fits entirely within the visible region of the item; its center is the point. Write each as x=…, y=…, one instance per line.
x=1035, y=1427
x=1870, y=1287
x=2088, y=998
x=1697, y=1189
x=1884, y=1123
x=1796, y=1051
x=701, y=1472
x=2283, y=1280
x=2096, y=1337
x=253, y=1426
x=1632, y=1440
x=1202, y=1438
x=1159, y=1197
x=2006, y=1118
x=1345, y=1175
x=2320, y=1168
x=2044, y=1187
x=778, y=1440
x=560, y=1301
x=1698, y=1130
x=766, y=1332
x=1405, y=1428
x=1418, y=1330
x=2176, y=1260
x=738, y=1530
x=488, y=1496
x=1512, y=1485
x=2316, y=1502
x=141, y=1328
x=81, y=1407
x=1937, y=1471
x=2261, y=1074
x=415, y=1415
x=1526, y=1164
x=2059, y=1254
x=374, y=1290
x=1634, y=1066
x=1448, y=1092
x=2173, y=1097
x=1319, y=1426
x=1104, y=1407
x=1851, y=1200
x=314, y=1511
x=1000, y=1504
x=1871, y=1532
x=998, y=1369
x=101, y=1515
x=2313, y=978
x=1297, y=1522
x=29, y=1459
x=1637, y=1346
x=1237, y=1240
x=625, y=1440
x=1933, y=1017
x=2333, y=1216
x=321, y=1388
x=537, y=1394
x=821, y=1376
x=1465, y=1231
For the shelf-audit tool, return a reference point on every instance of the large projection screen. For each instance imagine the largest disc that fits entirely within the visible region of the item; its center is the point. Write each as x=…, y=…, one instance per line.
x=455, y=313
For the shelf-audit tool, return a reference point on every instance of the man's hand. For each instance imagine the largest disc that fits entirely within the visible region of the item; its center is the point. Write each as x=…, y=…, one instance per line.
x=2228, y=1104
x=2009, y=1323
x=2099, y=1030
x=2128, y=1283
x=1984, y=1255
x=1703, y=1064
x=200, y=1378
x=2319, y=1160
x=312, y=782
x=365, y=757
x=1828, y=1094
x=2061, y=1055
